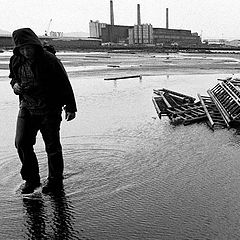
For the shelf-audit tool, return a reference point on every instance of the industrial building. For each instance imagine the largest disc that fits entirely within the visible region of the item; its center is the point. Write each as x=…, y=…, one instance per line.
x=95, y=28
x=115, y=34
x=136, y=35
x=60, y=43
x=6, y=41
x=142, y=34
x=175, y=37
x=73, y=43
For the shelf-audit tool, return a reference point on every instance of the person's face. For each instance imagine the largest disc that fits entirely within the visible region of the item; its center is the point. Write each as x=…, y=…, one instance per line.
x=28, y=51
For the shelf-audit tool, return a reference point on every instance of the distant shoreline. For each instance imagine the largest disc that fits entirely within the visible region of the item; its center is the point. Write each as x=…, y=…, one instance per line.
x=114, y=63
x=137, y=49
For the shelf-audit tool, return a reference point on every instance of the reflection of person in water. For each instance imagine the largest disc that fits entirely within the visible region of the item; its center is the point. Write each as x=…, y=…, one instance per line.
x=35, y=222
x=62, y=219
x=53, y=223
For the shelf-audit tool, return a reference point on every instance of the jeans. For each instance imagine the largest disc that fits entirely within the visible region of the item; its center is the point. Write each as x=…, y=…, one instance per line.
x=28, y=126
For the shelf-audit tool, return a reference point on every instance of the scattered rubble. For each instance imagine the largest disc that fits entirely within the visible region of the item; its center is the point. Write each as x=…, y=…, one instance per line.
x=221, y=109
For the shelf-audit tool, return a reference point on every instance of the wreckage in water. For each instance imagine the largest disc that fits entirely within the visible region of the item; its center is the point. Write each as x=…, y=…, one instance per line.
x=220, y=109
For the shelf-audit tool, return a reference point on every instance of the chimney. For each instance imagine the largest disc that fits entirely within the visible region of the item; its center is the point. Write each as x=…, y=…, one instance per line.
x=167, y=18
x=138, y=15
x=111, y=13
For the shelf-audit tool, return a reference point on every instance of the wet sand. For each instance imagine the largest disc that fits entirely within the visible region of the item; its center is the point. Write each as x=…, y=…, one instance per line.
x=128, y=174
x=159, y=64
x=145, y=63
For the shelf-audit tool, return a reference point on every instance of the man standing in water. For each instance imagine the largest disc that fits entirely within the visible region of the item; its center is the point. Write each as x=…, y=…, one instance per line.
x=41, y=82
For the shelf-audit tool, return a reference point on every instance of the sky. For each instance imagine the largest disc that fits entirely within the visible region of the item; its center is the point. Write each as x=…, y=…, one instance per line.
x=209, y=18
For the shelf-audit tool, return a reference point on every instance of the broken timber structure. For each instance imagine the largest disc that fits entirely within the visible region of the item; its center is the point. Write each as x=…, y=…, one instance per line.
x=221, y=109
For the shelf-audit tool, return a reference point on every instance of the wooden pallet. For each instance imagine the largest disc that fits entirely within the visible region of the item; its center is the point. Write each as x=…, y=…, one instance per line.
x=178, y=107
x=227, y=99
x=177, y=98
x=221, y=109
x=187, y=113
x=215, y=118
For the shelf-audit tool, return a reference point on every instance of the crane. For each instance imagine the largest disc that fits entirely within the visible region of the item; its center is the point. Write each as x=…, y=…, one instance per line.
x=47, y=31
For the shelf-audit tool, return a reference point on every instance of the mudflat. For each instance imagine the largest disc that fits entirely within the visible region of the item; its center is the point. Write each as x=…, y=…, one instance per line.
x=113, y=63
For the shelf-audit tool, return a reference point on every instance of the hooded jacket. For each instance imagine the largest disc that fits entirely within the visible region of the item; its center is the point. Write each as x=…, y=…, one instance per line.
x=48, y=71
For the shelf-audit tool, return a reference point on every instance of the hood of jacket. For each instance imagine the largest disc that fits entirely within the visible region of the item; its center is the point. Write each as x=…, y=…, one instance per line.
x=25, y=36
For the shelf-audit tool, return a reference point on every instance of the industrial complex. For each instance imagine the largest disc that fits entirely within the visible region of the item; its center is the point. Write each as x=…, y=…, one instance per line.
x=137, y=36
x=141, y=34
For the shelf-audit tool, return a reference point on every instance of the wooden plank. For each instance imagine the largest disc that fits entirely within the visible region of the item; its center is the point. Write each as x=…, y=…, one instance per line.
x=189, y=121
x=125, y=77
x=178, y=94
x=223, y=112
x=206, y=111
x=156, y=107
x=165, y=100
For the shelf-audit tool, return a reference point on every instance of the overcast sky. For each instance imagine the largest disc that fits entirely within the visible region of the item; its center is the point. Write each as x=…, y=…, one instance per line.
x=211, y=18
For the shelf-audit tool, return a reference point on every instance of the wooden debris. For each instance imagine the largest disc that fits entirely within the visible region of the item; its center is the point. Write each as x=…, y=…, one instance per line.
x=224, y=79
x=235, y=82
x=227, y=99
x=157, y=104
x=221, y=109
x=178, y=107
x=215, y=119
x=124, y=77
x=178, y=98
x=189, y=113
x=113, y=66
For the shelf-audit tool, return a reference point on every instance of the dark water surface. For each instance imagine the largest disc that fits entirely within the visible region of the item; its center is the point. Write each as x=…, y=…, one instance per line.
x=128, y=175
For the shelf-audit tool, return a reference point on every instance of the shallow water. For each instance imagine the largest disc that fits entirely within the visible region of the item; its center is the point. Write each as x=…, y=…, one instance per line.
x=128, y=174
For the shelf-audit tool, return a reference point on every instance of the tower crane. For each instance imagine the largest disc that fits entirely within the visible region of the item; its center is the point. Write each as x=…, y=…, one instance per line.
x=47, y=31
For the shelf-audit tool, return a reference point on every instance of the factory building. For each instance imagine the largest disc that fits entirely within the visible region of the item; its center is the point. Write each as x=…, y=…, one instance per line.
x=56, y=34
x=164, y=36
x=109, y=33
x=95, y=29
x=115, y=34
x=6, y=41
x=142, y=34
x=61, y=43
x=73, y=43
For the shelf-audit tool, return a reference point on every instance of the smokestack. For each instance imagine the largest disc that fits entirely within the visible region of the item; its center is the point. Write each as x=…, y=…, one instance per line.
x=167, y=18
x=111, y=13
x=138, y=15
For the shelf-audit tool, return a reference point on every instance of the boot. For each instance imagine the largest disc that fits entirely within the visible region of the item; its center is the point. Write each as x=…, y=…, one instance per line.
x=29, y=187
x=52, y=186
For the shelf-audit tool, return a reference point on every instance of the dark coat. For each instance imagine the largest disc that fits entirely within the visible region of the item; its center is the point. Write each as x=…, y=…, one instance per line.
x=48, y=71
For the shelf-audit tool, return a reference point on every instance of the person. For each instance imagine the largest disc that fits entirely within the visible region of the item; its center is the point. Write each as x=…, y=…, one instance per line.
x=44, y=90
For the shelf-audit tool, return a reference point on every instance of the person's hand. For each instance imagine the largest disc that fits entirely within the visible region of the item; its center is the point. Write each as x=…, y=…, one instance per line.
x=17, y=88
x=70, y=116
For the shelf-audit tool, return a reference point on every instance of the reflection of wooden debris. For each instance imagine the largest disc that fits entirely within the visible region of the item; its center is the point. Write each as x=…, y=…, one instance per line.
x=220, y=109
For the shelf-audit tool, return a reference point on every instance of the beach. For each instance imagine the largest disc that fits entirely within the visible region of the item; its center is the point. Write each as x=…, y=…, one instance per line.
x=128, y=174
